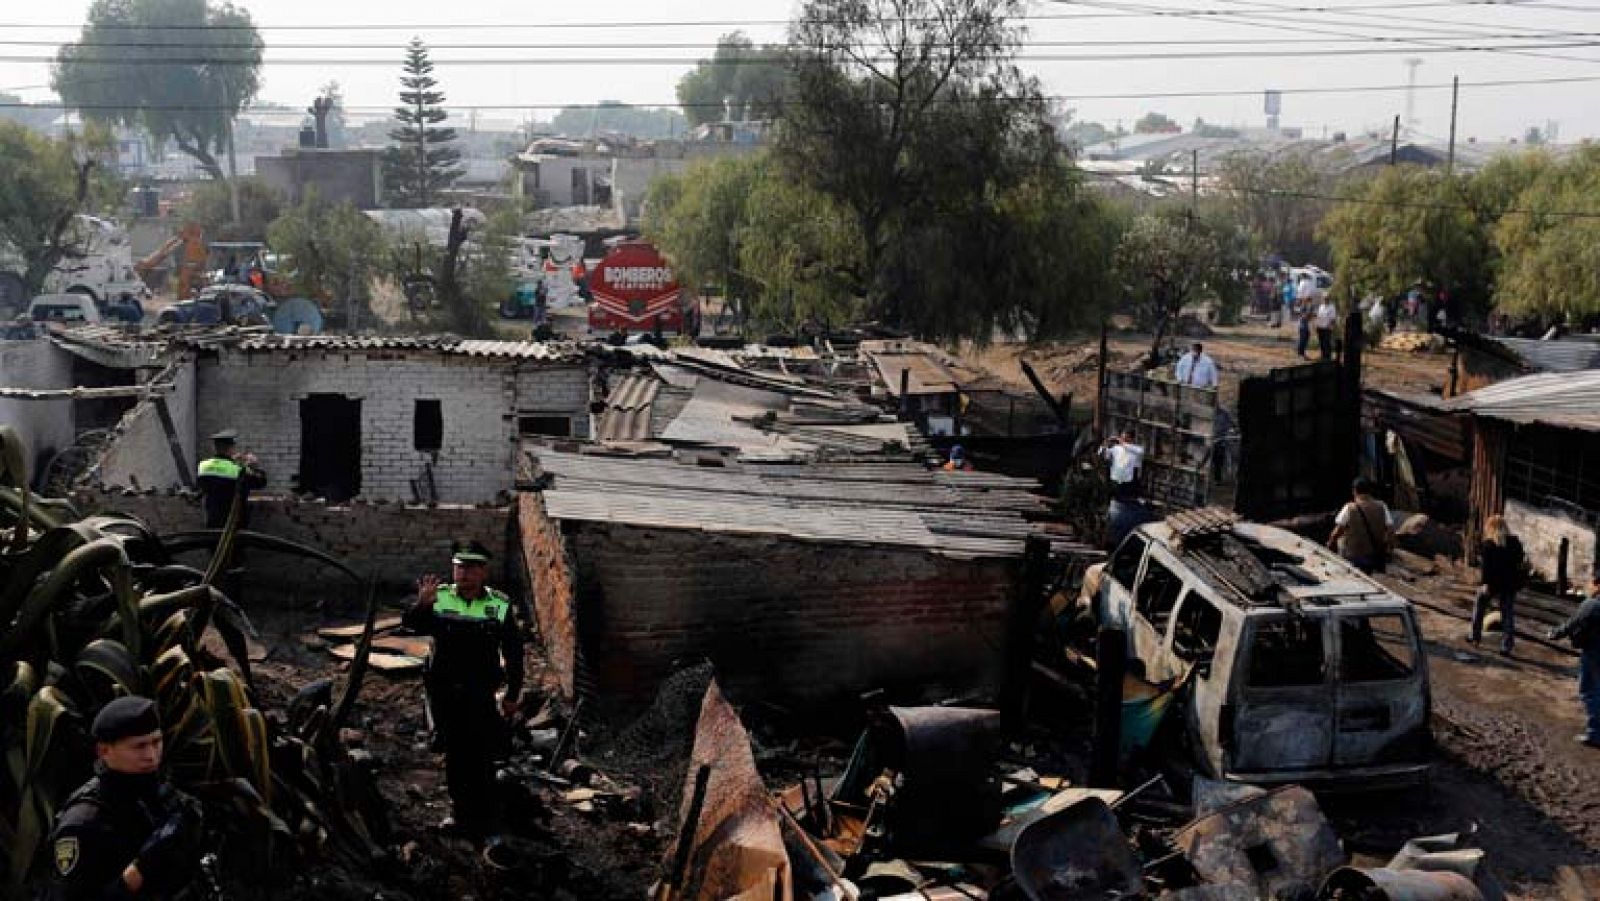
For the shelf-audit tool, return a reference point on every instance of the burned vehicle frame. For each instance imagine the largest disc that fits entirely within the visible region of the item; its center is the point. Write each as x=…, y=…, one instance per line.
x=1294, y=666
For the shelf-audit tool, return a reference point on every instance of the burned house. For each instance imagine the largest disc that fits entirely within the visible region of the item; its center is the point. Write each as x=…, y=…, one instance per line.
x=382, y=419
x=1535, y=459
x=1483, y=360
x=802, y=583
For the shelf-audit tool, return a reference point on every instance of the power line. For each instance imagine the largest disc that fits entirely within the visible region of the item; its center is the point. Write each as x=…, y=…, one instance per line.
x=749, y=53
x=753, y=23
x=1140, y=95
x=1262, y=53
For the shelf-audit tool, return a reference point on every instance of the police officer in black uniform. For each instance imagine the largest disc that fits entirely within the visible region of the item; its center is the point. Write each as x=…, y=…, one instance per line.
x=474, y=629
x=225, y=474
x=127, y=833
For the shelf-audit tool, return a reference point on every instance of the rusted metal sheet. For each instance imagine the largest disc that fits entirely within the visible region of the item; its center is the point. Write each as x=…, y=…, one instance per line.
x=1420, y=422
x=1278, y=841
x=1298, y=431
x=736, y=848
x=1075, y=853
x=1384, y=884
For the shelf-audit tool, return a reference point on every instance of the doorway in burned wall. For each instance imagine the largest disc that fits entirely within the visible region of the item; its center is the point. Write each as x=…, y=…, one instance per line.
x=330, y=446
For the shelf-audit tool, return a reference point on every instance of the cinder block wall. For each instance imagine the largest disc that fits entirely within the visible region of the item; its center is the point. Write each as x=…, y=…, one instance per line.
x=259, y=394
x=45, y=425
x=394, y=542
x=784, y=621
x=141, y=456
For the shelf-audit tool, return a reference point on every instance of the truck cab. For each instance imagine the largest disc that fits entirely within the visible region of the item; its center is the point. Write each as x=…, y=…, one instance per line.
x=1296, y=667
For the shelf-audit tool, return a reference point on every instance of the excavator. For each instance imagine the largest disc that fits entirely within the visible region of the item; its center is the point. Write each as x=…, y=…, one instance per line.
x=198, y=258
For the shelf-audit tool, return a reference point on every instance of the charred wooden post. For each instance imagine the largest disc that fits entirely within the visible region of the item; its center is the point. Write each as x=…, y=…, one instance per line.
x=1020, y=627
x=1562, y=580
x=1111, y=662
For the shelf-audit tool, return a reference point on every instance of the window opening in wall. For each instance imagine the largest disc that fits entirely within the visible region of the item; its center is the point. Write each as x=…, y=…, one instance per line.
x=330, y=446
x=552, y=426
x=428, y=426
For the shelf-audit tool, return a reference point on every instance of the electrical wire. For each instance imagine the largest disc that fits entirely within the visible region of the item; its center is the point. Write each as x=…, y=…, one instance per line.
x=1136, y=95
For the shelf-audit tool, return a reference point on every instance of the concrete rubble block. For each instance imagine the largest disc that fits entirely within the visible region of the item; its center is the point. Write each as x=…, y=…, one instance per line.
x=1276, y=842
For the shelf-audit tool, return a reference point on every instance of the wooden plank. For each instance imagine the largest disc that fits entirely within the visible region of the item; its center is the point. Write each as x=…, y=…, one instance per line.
x=393, y=664
x=408, y=647
x=350, y=633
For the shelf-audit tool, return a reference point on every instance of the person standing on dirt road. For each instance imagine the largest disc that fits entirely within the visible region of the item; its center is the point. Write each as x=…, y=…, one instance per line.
x=1361, y=532
x=127, y=833
x=474, y=629
x=1327, y=315
x=1583, y=630
x=1503, y=570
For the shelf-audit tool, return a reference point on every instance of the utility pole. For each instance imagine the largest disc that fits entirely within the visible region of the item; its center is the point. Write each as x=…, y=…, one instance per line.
x=1455, y=97
x=1394, y=142
x=1194, y=178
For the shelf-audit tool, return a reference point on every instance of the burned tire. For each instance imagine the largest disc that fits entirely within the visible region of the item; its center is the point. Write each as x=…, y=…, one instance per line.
x=13, y=296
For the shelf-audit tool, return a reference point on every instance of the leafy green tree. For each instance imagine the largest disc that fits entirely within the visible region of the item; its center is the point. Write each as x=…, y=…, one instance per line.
x=44, y=184
x=259, y=205
x=1549, y=265
x=421, y=162
x=778, y=249
x=750, y=80
x=334, y=250
x=1409, y=224
x=178, y=69
x=912, y=116
x=1171, y=258
x=1274, y=198
x=621, y=118
x=1153, y=123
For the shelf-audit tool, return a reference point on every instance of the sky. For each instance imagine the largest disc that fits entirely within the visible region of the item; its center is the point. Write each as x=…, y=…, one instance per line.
x=1224, y=40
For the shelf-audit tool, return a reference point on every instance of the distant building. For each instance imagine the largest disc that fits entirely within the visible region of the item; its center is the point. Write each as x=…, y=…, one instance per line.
x=354, y=176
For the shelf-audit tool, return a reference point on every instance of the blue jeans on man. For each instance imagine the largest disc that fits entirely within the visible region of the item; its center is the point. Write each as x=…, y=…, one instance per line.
x=1589, y=691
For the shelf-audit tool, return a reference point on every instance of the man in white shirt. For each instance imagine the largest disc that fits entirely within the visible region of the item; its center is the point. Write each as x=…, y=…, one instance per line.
x=1327, y=315
x=1196, y=368
x=1125, y=457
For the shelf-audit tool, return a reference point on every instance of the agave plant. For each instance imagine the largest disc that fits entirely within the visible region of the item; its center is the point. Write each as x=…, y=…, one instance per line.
x=92, y=608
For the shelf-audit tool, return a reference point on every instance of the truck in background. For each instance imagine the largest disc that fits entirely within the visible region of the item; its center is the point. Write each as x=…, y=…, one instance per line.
x=636, y=291
x=101, y=269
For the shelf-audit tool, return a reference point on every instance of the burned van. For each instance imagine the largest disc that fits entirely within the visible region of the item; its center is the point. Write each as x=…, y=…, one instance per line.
x=1295, y=666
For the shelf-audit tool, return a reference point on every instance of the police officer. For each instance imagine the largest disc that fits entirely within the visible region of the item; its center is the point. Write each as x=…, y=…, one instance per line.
x=227, y=473
x=474, y=628
x=127, y=833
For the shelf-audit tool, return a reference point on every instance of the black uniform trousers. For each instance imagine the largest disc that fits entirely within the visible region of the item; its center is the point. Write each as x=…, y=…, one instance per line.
x=474, y=738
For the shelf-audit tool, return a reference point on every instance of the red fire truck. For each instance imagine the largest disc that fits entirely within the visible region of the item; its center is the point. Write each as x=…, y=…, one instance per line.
x=636, y=291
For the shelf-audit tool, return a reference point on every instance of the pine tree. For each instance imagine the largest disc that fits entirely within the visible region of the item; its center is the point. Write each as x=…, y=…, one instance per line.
x=422, y=160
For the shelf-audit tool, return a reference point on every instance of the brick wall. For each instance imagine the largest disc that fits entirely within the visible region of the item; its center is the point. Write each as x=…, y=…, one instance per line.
x=45, y=425
x=259, y=394
x=549, y=572
x=140, y=456
x=783, y=620
x=394, y=542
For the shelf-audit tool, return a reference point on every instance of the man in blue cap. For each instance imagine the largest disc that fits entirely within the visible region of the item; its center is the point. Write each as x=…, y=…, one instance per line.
x=127, y=833
x=474, y=629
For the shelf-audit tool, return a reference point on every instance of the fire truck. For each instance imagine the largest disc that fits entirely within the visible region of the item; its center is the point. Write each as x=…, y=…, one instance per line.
x=634, y=290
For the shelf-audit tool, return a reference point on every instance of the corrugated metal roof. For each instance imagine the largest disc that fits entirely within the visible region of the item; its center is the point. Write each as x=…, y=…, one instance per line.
x=928, y=373
x=628, y=410
x=892, y=505
x=1568, y=400
x=1554, y=356
x=542, y=351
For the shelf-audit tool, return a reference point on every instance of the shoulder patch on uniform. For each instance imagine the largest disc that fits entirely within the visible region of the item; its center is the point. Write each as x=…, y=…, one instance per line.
x=66, y=854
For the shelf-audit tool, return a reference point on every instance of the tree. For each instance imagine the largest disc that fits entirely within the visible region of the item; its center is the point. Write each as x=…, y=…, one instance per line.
x=1409, y=224
x=778, y=249
x=44, y=185
x=1548, y=263
x=913, y=118
x=1274, y=198
x=1154, y=123
x=259, y=206
x=1171, y=258
x=180, y=70
x=740, y=81
x=620, y=118
x=335, y=251
x=422, y=159
x=1079, y=135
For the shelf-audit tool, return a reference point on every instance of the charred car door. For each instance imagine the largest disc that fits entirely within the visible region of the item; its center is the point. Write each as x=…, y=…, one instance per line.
x=1281, y=715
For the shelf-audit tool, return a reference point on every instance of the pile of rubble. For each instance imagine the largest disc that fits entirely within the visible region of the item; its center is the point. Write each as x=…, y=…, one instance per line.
x=927, y=808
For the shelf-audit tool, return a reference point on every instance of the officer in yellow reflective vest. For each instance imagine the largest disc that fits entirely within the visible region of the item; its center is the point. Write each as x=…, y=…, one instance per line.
x=227, y=473
x=474, y=629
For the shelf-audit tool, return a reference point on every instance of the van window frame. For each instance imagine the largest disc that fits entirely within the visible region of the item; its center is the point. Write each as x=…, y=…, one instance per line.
x=1174, y=569
x=1138, y=564
x=1247, y=652
x=1192, y=597
x=1414, y=646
